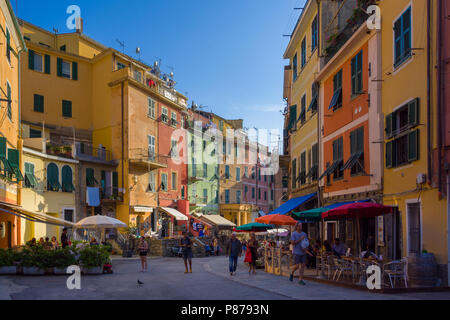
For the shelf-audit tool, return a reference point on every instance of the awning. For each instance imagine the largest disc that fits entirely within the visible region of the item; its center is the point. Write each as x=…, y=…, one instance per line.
x=358, y=210
x=315, y=215
x=35, y=216
x=140, y=209
x=175, y=213
x=218, y=220
x=292, y=204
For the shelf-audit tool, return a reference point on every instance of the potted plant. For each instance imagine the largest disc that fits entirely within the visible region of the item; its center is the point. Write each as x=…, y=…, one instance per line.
x=93, y=259
x=32, y=261
x=7, y=261
x=68, y=151
x=62, y=259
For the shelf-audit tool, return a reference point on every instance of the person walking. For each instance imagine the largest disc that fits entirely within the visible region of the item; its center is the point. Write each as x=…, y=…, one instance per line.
x=64, y=238
x=186, y=245
x=143, y=252
x=300, y=245
x=253, y=248
x=234, y=251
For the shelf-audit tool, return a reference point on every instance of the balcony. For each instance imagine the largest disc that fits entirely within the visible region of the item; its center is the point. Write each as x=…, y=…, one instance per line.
x=110, y=194
x=143, y=158
x=59, y=150
x=87, y=152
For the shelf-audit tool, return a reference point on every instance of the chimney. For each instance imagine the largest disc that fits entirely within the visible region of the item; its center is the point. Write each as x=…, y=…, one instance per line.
x=79, y=25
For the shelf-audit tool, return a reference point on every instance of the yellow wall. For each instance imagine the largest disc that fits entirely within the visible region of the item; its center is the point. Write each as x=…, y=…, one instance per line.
x=39, y=200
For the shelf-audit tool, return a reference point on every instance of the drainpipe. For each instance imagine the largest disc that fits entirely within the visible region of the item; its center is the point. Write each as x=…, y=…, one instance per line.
x=439, y=94
x=448, y=228
x=429, y=146
x=319, y=199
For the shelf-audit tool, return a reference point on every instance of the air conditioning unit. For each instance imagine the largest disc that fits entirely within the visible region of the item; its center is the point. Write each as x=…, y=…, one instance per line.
x=421, y=178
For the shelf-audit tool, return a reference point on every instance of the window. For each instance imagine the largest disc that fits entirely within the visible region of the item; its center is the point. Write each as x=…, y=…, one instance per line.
x=357, y=74
x=315, y=162
x=63, y=48
x=221, y=125
x=64, y=68
x=292, y=117
x=246, y=172
x=194, y=168
x=164, y=184
x=152, y=181
x=302, y=117
x=53, y=178
x=151, y=108
x=30, y=179
x=403, y=150
x=227, y=172
x=67, y=179
x=315, y=98
x=303, y=62
x=253, y=172
x=90, y=178
x=8, y=45
x=137, y=75
x=403, y=118
x=217, y=196
x=265, y=195
x=402, y=38
x=174, y=181
x=205, y=170
x=9, y=97
x=174, y=149
x=259, y=193
x=67, y=109
x=271, y=195
x=174, y=121
x=35, y=133
x=302, y=173
x=253, y=193
x=336, y=101
x=238, y=174
x=294, y=173
x=183, y=193
x=165, y=115
x=227, y=196
x=38, y=103
x=205, y=195
x=314, y=34
x=151, y=147
x=245, y=191
x=120, y=66
x=294, y=67
x=68, y=215
x=338, y=156
x=238, y=196
x=38, y=62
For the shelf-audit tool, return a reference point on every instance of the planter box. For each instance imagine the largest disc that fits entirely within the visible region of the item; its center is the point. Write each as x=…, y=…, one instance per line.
x=33, y=271
x=8, y=270
x=96, y=270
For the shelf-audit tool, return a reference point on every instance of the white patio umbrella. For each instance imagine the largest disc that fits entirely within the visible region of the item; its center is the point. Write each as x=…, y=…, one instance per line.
x=100, y=222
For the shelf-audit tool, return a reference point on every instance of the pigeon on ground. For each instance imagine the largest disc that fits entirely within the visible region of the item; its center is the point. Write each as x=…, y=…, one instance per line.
x=139, y=283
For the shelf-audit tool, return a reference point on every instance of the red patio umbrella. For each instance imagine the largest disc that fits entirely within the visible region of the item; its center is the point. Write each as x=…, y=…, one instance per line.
x=277, y=219
x=357, y=210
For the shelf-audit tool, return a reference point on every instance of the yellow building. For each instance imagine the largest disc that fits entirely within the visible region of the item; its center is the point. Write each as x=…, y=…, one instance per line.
x=408, y=60
x=48, y=193
x=12, y=44
x=301, y=92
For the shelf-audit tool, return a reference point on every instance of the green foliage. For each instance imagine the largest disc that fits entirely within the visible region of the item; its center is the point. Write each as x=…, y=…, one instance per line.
x=94, y=256
x=63, y=258
x=8, y=257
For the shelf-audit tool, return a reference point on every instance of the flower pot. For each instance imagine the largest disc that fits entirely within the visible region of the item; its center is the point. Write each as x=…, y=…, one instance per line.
x=92, y=271
x=60, y=271
x=8, y=270
x=33, y=271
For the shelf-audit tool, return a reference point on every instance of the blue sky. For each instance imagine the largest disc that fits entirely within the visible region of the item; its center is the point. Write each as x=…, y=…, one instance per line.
x=226, y=54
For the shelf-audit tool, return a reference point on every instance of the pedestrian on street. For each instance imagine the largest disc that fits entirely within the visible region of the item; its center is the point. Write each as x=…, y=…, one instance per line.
x=186, y=245
x=143, y=252
x=253, y=248
x=299, y=241
x=234, y=251
x=64, y=238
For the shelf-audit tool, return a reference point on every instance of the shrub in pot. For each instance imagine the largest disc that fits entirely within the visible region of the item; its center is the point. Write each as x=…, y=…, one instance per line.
x=93, y=258
x=8, y=258
x=62, y=259
x=33, y=261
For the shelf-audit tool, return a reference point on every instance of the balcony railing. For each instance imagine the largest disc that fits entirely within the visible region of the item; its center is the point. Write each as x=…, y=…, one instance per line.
x=145, y=157
x=86, y=150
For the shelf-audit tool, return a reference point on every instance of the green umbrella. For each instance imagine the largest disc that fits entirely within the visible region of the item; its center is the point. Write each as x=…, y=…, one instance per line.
x=313, y=215
x=254, y=226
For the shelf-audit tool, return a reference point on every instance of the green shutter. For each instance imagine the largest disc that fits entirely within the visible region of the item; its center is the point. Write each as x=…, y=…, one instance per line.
x=389, y=150
x=67, y=179
x=8, y=44
x=413, y=112
x=2, y=147
x=413, y=146
x=47, y=64
x=31, y=59
x=388, y=129
x=115, y=179
x=59, y=67
x=8, y=94
x=67, y=109
x=38, y=103
x=74, y=71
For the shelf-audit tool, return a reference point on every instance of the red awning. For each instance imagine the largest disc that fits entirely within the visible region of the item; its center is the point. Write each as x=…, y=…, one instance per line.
x=357, y=210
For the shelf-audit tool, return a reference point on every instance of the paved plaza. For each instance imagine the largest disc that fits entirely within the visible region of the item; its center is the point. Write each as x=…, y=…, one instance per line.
x=166, y=281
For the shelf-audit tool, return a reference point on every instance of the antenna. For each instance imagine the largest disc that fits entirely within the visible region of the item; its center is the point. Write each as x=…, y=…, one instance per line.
x=55, y=30
x=122, y=44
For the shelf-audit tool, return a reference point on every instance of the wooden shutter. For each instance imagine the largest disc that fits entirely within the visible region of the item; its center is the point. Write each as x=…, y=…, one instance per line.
x=115, y=178
x=38, y=103
x=74, y=71
x=8, y=94
x=47, y=64
x=388, y=128
x=59, y=67
x=66, y=176
x=2, y=147
x=13, y=157
x=67, y=109
x=389, y=151
x=413, y=146
x=31, y=59
x=413, y=112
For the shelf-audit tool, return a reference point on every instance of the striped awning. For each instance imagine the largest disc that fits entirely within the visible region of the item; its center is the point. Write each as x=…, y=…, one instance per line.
x=39, y=217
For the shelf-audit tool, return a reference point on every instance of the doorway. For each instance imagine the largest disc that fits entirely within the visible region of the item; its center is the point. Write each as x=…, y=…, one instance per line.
x=414, y=228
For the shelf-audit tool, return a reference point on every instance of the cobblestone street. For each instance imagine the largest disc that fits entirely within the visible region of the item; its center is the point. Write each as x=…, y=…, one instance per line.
x=166, y=281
